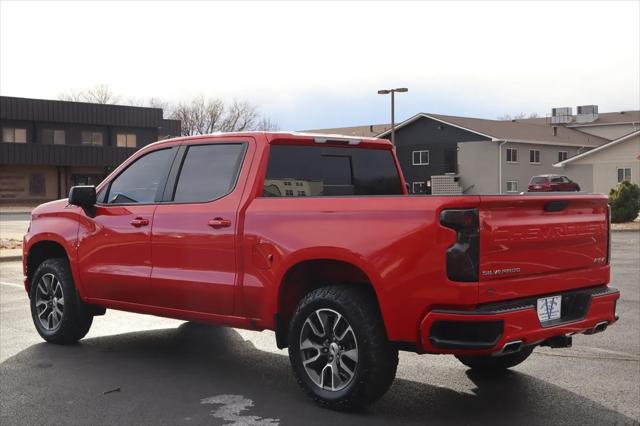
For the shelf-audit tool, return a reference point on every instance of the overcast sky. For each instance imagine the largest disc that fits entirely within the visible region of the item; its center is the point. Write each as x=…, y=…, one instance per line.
x=311, y=65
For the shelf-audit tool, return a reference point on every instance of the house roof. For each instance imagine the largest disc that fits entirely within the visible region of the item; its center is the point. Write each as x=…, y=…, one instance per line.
x=604, y=119
x=598, y=149
x=371, y=130
x=512, y=130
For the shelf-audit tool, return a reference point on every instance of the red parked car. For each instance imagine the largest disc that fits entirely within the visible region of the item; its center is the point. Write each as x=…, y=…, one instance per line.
x=547, y=183
x=315, y=237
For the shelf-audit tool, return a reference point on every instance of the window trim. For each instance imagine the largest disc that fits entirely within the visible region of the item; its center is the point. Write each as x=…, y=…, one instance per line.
x=159, y=192
x=534, y=156
x=507, y=186
x=506, y=157
x=173, y=176
x=413, y=163
x=13, y=129
x=623, y=173
x=413, y=191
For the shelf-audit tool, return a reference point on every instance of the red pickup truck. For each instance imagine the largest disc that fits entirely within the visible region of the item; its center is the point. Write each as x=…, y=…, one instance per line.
x=316, y=238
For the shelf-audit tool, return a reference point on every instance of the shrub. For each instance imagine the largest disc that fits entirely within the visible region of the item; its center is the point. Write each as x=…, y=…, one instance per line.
x=625, y=202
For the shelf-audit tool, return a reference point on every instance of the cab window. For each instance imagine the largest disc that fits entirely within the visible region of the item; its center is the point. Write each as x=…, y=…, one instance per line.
x=142, y=181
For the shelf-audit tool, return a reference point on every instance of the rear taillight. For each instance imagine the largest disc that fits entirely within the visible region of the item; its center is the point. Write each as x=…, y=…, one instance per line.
x=462, y=256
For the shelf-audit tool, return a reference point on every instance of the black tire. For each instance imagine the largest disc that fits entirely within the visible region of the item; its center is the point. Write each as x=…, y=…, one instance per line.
x=377, y=358
x=496, y=363
x=76, y=318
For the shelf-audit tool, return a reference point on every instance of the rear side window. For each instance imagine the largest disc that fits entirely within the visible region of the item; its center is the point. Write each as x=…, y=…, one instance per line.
x=141, y=181
x=208, y=172
x=299, y=171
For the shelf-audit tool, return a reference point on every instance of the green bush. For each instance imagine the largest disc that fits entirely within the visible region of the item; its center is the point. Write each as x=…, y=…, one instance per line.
x=625, y=202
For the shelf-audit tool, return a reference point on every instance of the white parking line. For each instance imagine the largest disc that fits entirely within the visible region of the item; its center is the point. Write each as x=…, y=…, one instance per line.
x=12, y=285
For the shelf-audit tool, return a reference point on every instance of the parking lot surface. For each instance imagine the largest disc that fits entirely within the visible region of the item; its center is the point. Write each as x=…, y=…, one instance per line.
x=135, y=369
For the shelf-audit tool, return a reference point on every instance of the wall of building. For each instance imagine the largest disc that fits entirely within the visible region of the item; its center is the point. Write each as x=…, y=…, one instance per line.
x=26, y=183
x=478, y=167
x=441, y=142
x=523, y=170
x=604, y=164
x=610, y=132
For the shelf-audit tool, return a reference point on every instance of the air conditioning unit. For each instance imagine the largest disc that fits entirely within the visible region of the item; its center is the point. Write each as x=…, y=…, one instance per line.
x=587, y=114
x=562, y=115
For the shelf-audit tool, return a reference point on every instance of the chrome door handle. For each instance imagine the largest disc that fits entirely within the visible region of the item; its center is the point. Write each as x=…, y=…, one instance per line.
x=219, y=222
x=139, y=221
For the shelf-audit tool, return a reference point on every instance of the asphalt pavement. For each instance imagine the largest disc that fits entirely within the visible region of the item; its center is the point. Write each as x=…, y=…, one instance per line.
x=137, y=369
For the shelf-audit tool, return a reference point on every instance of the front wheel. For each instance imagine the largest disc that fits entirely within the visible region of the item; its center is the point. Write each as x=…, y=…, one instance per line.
x=495, y=363
x=58, y=313
x=338, y=348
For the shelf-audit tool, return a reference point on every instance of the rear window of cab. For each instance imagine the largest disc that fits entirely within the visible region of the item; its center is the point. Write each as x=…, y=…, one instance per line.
x=303, y=171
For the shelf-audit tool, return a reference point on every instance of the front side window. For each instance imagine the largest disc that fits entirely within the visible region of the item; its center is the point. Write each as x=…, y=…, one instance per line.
x=91, y=138
x=563, y=155
x=140, y=182
x=512, y=186
x=557, y=180
x=208, y=172
x=53, y=137
x=624, y=173
x=14, y=135
x=512, y=155
x=330, y=171
x=420, y=158
x=534, y=156
x=126, y=140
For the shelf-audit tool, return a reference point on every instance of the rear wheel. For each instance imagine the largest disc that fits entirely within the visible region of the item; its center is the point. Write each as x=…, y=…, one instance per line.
x=495, y=363
x=57, y=312
x=338, y=348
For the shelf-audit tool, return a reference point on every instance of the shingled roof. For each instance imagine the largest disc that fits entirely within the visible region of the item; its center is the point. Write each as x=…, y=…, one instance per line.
x=512, y=130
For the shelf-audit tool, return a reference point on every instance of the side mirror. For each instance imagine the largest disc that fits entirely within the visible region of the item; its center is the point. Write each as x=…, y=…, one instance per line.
x=83, y=196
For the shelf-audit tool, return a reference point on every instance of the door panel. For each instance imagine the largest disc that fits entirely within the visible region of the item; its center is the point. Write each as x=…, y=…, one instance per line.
x=115, y=255
x=193, y=239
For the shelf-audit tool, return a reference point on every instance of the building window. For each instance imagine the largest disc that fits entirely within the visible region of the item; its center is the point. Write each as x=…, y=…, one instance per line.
x=534, y=156
x=624, y=173
x=512, y=155
x=53, y=137
x=14, y=135
x=92, y=138
x=512, y=186
x=420, y=158
x=288, y=192
x=126, y=140
x=563, y=155
x=418, y=187
x=302, y=194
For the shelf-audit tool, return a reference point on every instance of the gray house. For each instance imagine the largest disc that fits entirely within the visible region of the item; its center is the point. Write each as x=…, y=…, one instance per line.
x=495, y=156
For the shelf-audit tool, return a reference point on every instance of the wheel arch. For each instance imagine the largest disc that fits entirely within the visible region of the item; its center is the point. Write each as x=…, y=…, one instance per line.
x=41, y=250
x=310, y=272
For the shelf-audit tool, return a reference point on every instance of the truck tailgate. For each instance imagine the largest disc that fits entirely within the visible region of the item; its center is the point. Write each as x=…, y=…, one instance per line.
x=535, y=245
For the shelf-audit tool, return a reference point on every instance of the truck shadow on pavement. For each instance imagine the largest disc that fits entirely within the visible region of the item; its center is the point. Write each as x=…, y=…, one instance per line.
x=198, y=374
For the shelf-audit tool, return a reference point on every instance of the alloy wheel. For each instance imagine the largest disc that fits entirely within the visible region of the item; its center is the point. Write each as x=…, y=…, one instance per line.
x=49, y=302
x=328, y=349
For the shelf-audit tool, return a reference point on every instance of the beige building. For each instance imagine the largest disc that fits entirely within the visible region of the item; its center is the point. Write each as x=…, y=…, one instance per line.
x=602, y=168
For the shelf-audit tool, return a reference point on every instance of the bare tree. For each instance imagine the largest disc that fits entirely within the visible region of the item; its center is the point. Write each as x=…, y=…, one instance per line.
x=100, y=94
x=200, y=115
x=519, y=116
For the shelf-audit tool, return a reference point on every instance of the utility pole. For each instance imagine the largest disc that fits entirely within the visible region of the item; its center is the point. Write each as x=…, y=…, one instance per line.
x=393, y=108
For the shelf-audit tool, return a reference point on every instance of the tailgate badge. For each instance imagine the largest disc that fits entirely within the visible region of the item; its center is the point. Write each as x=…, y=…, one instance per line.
x=495, y=272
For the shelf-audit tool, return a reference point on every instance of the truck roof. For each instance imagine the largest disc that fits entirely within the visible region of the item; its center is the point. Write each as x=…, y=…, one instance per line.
x=272, y=137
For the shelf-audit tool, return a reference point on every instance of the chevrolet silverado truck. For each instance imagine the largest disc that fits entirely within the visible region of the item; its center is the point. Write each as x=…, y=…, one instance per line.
x=315, y=238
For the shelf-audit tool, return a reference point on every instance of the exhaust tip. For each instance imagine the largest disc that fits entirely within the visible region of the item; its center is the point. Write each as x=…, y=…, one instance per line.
x=510, y=347
x=599, y=328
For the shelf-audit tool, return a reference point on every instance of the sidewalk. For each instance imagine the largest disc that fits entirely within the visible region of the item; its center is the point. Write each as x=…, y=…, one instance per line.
x=10, y=255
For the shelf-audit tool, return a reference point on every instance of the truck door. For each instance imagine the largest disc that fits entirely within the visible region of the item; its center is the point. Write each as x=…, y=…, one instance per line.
x=115, y=241
x=194, y=230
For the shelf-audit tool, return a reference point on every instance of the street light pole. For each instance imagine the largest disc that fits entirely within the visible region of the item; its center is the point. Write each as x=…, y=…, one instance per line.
x=393, y=106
